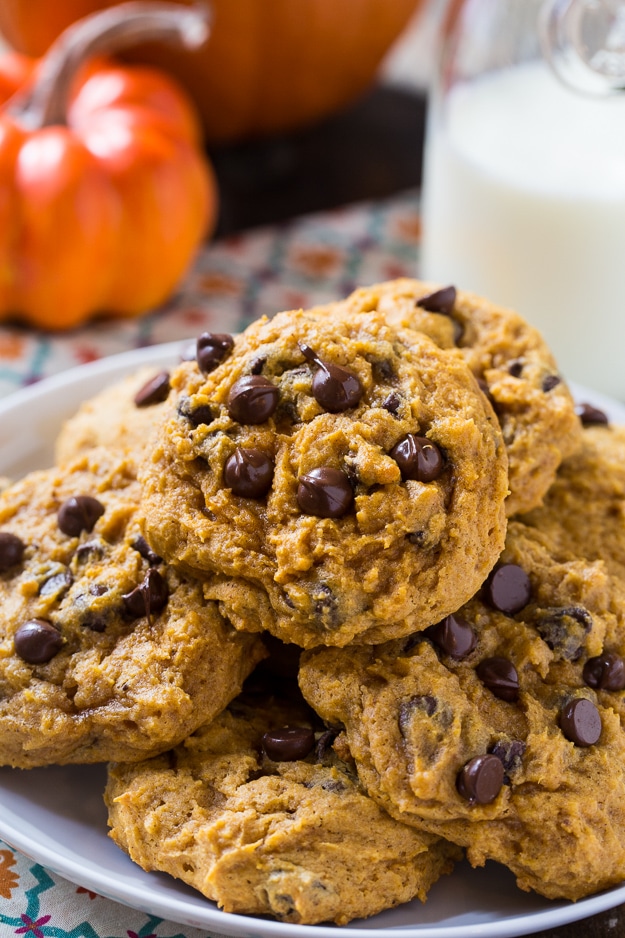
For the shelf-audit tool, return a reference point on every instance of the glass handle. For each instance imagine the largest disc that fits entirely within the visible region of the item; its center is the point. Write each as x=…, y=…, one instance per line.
x=584, y=43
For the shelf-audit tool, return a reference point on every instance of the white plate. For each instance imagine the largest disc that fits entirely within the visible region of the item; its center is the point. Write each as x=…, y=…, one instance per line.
x=56, y=815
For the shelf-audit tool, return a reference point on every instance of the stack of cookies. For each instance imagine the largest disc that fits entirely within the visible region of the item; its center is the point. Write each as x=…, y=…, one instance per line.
x=341, y=600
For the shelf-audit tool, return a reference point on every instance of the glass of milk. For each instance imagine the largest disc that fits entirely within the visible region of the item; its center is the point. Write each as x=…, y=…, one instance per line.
x=524, y=180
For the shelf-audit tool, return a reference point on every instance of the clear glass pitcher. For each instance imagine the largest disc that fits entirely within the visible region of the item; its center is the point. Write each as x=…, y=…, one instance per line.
x=524, y=180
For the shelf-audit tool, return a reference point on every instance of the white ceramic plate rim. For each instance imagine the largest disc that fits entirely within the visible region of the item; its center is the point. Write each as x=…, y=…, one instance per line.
x=129, y=884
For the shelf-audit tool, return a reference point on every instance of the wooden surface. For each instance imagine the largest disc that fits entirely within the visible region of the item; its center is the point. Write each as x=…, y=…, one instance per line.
x=369, y=152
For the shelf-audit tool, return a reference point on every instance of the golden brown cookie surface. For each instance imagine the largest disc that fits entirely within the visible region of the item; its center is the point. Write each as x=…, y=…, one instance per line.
x=346, y=480
x=106, y=652
x=532, y=402
x=499, y=730
x=267, y=822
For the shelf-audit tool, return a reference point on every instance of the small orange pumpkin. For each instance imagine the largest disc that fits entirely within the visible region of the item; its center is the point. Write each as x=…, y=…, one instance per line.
x=270, y=66
x=105, y=192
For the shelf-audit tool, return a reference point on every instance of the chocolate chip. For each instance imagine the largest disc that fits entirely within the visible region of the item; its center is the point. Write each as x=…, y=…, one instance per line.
x=454, y=636
x=605, y=672
x=142, y=547
x=289, y=743
x=440, y=301
x=93, y=548
x=56, y=585
x=257, y=365
x=325, y=493
x=383, y=371
x=11, y=550
x=515, y=369
x=580, y=722
x=480, y=780
x=201, y=414
x=248, y=472
x=564, y=630
x=79, y=513
x=591, y=416
x=95, y=622
x=37, y=641
x=508, y=588
x=149, y=598
x=154, y=391
x=500, y=676
x=423, y=702
x=323, y=747
x=211, y=349
x=417, y=538
x=252, y=399
x=483, y=386
x=550, y=381
x=335, y=388
x=418, y=458
x=391, y=403
x=510, y=752
x=325, y=606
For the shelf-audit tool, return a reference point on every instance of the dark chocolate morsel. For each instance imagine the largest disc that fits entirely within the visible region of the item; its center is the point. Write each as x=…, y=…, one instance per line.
x=440, y=301
x=483, y=386
x=37, y=641
x=564, y=630
x=508, y=588
x=56, y=585
x=201, y=413
x=500, y=676
x=515, y=368
x=510, y=753
x=149, y=598
x=11, y=550
x=605, y=672
x=423, y=703
x=289, y=743
x=325, y=493
x=480, y=780
x=143, y=548
x=335, y=388
x=418, y=458
x=391, y=403
x=248, y=472
x=252, y=399
x=591, y=416
x=211, y=349
x=550, y=382
x=154, y=391
x=580, y=722
x=79, y=513
x=454, y=636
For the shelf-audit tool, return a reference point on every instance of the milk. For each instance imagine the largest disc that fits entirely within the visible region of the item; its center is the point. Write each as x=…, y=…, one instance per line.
x=524, y=202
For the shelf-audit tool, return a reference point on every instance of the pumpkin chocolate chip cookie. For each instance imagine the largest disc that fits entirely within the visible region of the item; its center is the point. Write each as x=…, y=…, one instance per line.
x=499, y=727
x=511, y=360
x=339, y=479
x=106, y=652
x=257, y=812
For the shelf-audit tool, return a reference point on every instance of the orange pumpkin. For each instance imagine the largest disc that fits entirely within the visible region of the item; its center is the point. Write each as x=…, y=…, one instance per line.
x=270, y=65
x=105, y=192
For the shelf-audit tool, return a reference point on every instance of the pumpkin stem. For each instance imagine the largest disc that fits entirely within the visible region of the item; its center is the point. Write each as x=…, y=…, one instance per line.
x=106, y=31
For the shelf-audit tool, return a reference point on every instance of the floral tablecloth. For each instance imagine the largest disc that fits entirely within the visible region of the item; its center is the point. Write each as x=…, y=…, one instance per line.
x=310, y=260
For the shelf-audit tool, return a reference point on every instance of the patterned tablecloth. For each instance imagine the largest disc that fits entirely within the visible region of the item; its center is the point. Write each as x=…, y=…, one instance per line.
x=311, y=260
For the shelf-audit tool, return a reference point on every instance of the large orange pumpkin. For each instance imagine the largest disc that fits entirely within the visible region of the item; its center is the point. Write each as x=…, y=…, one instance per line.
x=270, y=65
x=105, y=192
